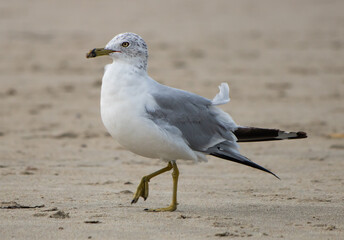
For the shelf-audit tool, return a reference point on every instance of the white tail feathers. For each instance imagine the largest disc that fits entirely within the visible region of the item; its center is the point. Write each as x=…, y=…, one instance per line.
x=223, y=96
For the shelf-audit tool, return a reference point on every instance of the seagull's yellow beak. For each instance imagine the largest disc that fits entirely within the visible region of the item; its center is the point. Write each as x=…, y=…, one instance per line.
x=96, y=52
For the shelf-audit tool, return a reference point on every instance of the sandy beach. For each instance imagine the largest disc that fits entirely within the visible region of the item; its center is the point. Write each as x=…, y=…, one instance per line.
x=63, y=177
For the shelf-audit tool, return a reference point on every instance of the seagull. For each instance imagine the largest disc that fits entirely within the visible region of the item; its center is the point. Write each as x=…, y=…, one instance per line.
x=157, y=121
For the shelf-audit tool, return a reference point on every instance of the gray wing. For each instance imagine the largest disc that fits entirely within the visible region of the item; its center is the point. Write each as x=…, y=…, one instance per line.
x=201, y=124
x=206, y=128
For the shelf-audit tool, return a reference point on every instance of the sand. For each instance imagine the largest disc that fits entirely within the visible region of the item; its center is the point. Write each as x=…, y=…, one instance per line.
x=63, y=177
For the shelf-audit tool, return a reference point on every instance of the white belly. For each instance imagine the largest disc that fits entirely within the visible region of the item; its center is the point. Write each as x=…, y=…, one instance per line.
x=126, y=122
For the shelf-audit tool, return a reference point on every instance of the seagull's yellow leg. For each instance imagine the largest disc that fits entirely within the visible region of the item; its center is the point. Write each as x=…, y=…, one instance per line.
x=142, y=189
x=173, y=206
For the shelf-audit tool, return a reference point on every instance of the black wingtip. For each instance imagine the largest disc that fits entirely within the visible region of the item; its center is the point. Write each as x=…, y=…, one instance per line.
x=301, y=134
x=244, y=161
x=263, y=169
x=253, y=134
x=275, y=175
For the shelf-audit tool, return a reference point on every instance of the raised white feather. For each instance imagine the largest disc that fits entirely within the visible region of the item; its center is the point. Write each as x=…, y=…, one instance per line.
x=223, y=96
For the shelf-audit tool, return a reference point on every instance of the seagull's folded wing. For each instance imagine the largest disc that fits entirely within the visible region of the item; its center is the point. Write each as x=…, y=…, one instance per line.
x=201, y=124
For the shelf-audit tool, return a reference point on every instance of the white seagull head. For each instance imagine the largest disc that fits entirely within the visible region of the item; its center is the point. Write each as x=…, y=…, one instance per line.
x=125, y=47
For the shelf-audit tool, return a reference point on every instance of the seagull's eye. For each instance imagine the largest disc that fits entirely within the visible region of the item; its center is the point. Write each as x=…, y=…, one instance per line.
x=125, y=44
